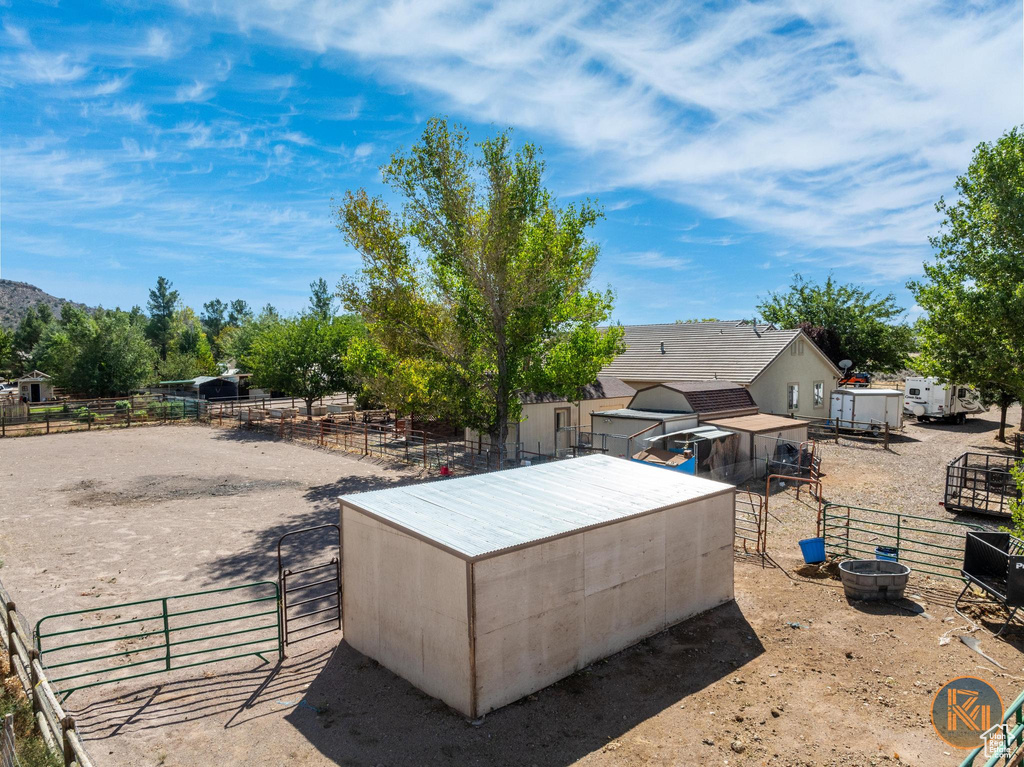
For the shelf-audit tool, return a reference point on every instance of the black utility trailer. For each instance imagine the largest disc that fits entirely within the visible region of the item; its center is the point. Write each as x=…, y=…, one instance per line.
x=980, y=483
x=994, y=563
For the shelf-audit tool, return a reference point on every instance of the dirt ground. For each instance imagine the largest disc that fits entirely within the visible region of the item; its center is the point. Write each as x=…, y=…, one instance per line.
x=790, y=674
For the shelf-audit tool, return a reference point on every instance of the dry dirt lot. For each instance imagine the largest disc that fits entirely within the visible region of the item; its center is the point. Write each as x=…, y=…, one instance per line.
x=792, y=671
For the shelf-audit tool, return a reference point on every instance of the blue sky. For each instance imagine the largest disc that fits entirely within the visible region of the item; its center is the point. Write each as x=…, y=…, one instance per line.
x=731, y=143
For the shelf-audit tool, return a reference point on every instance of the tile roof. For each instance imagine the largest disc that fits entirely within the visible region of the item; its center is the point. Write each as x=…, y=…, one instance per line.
x=605, y=387
x=699, y=351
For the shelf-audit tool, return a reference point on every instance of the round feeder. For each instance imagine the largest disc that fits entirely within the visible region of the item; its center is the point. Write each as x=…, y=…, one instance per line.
x=874, y=579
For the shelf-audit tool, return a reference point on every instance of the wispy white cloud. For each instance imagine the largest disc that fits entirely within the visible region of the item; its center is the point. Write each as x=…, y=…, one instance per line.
x=196, y=91
x=653, y=259
x=836, y=125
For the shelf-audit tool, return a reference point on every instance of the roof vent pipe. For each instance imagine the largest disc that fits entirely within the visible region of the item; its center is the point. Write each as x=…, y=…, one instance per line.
x=662, y=347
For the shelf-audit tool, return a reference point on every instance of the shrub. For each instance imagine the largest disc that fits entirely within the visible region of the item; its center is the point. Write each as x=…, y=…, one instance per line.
x=123, y=406
x=85, y=414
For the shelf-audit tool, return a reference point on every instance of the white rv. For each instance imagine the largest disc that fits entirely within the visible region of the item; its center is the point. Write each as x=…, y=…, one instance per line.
x=927, y=399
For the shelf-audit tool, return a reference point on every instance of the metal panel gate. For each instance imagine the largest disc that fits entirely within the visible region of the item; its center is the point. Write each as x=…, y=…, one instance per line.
x=155, y=636
x=321, y=584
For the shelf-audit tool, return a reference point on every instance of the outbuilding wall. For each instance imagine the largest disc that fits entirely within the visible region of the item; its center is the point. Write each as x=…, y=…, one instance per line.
x=405, y=603
x=800, y=363
x=546, y=611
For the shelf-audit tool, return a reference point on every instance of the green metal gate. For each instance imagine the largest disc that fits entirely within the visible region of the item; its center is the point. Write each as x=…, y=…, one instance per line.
x=86, y=648
x=931, y=546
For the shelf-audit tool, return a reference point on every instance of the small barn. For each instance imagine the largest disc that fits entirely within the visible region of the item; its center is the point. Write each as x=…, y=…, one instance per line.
x=762, y=437
x=35, y=387
x=205, y=387
x=484, y=589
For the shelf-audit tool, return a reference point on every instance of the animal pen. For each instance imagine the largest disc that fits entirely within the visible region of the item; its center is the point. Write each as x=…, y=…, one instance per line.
x=484, y=589
x=981, y=483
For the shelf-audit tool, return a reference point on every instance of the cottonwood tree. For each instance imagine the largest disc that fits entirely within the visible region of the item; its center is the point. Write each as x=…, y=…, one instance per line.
x=846, y=321
x=973, y=292
x=478, y=289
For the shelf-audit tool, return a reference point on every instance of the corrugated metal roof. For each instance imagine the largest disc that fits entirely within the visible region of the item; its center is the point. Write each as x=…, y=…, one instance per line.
x=485, y=514
x=698, y=351
x=650, y=415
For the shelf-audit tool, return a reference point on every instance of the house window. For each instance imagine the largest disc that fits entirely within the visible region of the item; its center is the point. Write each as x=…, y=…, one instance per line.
x=793, y=396
x=819, y=393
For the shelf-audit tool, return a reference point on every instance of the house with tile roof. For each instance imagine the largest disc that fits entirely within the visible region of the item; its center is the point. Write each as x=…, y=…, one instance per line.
x=784, y=371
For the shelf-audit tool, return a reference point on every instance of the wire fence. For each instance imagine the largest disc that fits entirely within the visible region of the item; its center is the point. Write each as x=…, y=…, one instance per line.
x=24, y=419
x=8, y=748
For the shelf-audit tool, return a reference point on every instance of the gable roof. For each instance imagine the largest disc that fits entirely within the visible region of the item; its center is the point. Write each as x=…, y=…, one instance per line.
x=604, y=387
x=707, y=397
x=732, y=350
x=35, y=375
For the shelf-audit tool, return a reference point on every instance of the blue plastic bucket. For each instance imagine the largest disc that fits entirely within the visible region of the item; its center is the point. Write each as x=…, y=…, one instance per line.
x=813, y=550
x=888, y=553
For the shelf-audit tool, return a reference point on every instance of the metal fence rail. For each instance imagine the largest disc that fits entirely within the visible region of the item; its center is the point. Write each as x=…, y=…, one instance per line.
x=1012, y=737
x=931, y=546
x=171, y=633
x=821, y=429
x=980, y=483
x=751, y=523
x=55, y=726
x=28, y=419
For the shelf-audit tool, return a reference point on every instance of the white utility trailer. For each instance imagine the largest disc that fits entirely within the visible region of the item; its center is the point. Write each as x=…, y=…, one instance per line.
x=866, y=409
x=927, y=399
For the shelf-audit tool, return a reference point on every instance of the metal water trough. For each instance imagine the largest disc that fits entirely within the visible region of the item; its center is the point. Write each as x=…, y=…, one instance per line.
x=874, y=580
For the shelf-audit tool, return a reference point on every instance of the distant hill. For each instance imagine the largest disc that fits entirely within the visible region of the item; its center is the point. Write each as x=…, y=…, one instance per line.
x=17, y=297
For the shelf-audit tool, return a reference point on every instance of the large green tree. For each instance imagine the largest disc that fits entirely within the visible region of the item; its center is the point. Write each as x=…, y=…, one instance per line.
x=6, y=353
x=102, y=355
x=303, y=357
x=28, y=333
x=188, y=353
x=163, y=302
x=478, y=289
x=973, y=292
x=846, y=321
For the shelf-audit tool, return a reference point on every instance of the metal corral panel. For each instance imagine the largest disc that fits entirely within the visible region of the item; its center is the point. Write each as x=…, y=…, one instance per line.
x=474, y=517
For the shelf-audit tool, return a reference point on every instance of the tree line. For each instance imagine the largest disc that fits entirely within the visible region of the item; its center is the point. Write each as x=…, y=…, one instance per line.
x=475, y=288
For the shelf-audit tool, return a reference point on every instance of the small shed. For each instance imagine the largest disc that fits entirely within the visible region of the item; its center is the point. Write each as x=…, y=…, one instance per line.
x=760, y=438
x=206, y=387
x=483, y=589
x=35, y=387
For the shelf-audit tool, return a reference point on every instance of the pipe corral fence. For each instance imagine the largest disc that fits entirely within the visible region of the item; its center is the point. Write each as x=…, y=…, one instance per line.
x=981, y=483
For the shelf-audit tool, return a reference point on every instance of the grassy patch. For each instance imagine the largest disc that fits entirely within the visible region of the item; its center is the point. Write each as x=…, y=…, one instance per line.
x=32, y=750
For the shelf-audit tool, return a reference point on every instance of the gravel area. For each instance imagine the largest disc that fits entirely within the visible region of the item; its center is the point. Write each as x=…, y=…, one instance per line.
x=790, y=674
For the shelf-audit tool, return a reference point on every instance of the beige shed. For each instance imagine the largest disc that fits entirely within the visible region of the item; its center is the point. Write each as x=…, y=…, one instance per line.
x=483, y=589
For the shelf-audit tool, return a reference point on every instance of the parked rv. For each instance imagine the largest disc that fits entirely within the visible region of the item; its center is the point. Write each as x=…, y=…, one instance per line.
x=926, y=399
x=866, y=409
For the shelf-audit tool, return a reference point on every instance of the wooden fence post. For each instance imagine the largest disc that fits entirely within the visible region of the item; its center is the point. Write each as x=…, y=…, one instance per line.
x=886, y=435
x=9, y=618
x=366, y=439
x=47, y=421
x=67, y=726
